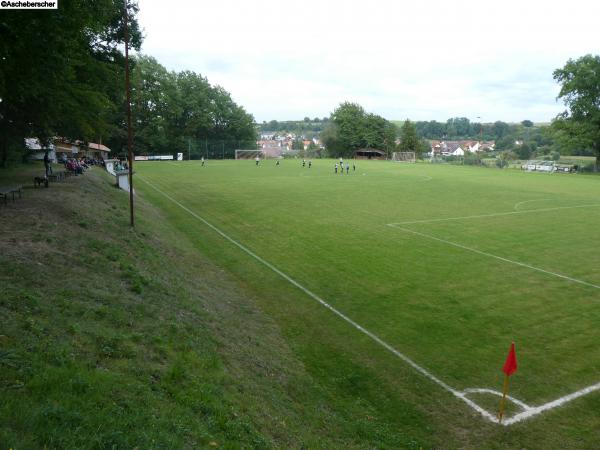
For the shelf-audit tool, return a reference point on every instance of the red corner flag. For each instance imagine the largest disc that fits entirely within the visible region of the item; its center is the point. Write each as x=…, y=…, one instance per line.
x=510, y=366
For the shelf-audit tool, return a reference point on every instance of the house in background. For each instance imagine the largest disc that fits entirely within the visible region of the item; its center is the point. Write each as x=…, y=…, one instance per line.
x=470, y=146
x=38, y=150
x=448, y=148
x=454, y=149
x=66, y=149
x=488, y=146
x=97, y=151
x=61, y=149
x=459, y=148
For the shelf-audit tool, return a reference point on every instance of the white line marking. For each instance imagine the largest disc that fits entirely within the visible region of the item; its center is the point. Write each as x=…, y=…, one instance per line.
x=479, y=216
x=510, y=261
x=516, y=207
x=527, y=414
x=497, y=393
x=534, y=411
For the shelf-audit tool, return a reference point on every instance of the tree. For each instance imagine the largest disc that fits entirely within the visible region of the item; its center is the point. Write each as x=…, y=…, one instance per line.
x=506, y=142
x=500, y=129
x=350, y=121
x=458, y=126
x=330, y=138
x=173, y=110
x=527, y=123
x=154, y=105
x=351, y=128
x=580, y=91
x=524, y=151
x=72, y=84
x=409, y=141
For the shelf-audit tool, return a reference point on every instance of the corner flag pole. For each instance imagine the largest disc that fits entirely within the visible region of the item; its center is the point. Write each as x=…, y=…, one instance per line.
x=510, y=367
x=128, y=95
x=503, y=400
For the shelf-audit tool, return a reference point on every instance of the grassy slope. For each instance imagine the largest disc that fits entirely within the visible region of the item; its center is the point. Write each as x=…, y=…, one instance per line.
x=333, y=238
x=113, y=338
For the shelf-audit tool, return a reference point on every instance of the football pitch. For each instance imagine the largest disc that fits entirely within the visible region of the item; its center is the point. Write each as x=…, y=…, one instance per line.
x=443, y=266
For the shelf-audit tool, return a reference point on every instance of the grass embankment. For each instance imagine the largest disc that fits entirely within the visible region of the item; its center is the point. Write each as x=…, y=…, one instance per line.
x=115, y=338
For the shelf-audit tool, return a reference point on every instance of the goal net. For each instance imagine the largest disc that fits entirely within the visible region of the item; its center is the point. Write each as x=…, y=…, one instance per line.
x=408, y=157
x=249, y=154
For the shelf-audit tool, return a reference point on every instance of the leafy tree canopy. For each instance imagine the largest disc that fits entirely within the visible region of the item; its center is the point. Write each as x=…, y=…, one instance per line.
x=351, y=128
x=409, y=141
x=172, y=109
x=580, y=91
x=60, y=70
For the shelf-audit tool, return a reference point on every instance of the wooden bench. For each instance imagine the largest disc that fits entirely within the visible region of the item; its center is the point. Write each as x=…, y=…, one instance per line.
x=5, y=191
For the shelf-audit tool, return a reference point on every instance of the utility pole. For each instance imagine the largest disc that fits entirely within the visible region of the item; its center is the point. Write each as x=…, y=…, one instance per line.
x=129, y=134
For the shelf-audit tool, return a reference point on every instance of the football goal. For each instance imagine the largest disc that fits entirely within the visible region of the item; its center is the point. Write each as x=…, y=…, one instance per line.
x=408, y=157
x=249, y=154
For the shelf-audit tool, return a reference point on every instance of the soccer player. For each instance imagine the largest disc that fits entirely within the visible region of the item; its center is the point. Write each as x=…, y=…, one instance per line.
x=277, y=163
x=303, y=162
x=354, y=166
x=257, y=160
x=202, y=159
x=309, y=163
x=336, y=167
x=347, y=168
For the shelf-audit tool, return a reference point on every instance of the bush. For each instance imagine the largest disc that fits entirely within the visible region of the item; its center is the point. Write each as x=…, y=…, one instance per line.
x=587, y=167
x=472, y=160
x=501, y=163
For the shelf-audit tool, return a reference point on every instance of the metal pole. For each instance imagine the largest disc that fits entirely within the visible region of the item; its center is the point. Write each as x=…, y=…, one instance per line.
x=129, y=134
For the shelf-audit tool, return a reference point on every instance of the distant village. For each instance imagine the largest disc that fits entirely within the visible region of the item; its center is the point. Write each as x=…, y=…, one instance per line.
x=459, y=148
x=275, y=144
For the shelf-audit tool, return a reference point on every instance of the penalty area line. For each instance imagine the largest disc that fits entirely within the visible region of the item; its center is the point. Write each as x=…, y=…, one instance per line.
x=500, y=258
x=482, y=216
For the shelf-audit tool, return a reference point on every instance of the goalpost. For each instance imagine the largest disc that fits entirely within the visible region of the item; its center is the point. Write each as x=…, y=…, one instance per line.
x=249, y=154
x=408, y=157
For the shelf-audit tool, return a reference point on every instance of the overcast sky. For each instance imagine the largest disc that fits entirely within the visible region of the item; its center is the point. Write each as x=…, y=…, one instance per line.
x=416, y=59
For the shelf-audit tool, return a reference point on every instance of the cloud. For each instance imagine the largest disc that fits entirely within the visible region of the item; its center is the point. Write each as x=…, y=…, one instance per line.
x=422, y=60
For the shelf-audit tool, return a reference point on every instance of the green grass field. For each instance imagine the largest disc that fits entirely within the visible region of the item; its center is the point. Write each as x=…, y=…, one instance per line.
x=181, y=334
x=396, y=248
